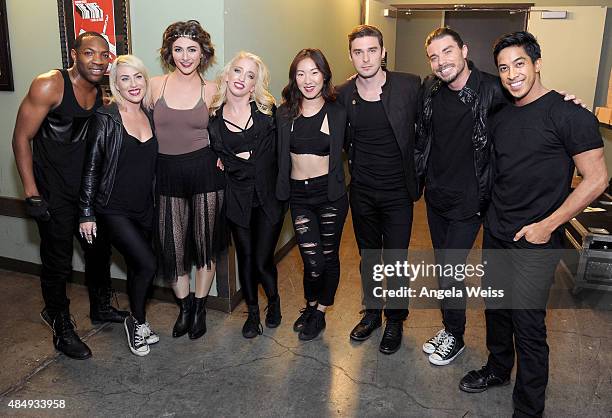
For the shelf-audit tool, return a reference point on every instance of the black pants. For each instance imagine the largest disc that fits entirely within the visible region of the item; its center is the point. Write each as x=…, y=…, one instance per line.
x=382, y=221
x=255, y=247
x=133, y=241
x=458, y=236
x=516, y=323
x=318, y=225
x=56, y=249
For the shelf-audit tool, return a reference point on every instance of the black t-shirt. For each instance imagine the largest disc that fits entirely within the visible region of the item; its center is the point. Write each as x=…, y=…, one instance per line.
x=451, y=187
x=377, y=161
x=132, y=193
x=534, y=145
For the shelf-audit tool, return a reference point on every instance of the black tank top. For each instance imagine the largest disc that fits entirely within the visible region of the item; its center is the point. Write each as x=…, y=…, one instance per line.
x=306, y=136
x=59, y=147
x=132, y=193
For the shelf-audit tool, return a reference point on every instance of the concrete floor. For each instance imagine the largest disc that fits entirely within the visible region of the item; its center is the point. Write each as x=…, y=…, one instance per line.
x=222, y=374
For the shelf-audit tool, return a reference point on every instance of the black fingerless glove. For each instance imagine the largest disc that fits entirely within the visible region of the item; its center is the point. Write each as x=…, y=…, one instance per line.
x=37, y=208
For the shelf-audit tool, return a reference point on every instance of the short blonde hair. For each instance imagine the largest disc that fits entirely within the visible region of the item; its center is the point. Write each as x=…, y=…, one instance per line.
x=136, y=63
x=261, y=95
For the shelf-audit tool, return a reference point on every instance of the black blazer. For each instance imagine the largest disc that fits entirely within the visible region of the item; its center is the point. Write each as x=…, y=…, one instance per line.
x=336, y=118
x=246, y=177
x=400, y=99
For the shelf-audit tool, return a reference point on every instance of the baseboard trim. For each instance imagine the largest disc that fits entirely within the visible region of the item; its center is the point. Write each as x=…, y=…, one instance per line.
x=13, y=207
x=157, y=292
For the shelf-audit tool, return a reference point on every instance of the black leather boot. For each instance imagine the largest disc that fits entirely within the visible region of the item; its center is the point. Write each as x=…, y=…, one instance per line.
x=198, y=325
x=65, y=339
x=100, y=308
x=183, y=322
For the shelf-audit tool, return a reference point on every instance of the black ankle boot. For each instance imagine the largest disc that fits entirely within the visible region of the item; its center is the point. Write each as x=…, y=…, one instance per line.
x=252, y=326
x=273, y=312
x=65, y=339
x=198, y=324
x=183, y=322
x=100, y=308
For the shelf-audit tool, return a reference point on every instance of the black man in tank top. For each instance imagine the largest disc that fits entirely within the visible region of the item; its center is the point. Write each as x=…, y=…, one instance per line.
x=49, y=146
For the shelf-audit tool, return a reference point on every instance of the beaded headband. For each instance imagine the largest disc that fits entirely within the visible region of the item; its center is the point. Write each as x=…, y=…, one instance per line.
x=183, y=35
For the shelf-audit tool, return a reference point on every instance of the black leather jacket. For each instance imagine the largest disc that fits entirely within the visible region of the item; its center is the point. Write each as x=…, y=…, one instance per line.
x=399, y=97
x=246, y=177
x=484, y=94
x=104, y=141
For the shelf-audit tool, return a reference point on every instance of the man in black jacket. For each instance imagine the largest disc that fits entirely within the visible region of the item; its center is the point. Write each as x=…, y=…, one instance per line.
x=382, y=109
x=453, y=162
x=54, y=117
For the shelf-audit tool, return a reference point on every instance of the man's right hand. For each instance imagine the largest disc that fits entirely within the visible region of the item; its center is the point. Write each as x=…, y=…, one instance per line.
x=37, y=208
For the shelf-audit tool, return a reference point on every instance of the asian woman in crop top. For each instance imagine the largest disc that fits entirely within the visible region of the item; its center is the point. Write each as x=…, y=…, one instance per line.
x=243, y=134
x=311, y=129
x=189, y=186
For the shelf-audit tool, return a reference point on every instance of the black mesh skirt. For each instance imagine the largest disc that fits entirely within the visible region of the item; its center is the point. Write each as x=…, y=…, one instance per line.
x=190, y=226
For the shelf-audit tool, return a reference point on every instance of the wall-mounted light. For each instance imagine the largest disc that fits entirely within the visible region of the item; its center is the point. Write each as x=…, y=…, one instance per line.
x=390, y=12
x=554, y=14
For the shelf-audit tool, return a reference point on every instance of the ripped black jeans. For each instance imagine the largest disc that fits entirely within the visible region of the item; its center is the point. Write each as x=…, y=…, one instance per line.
x=318, y=227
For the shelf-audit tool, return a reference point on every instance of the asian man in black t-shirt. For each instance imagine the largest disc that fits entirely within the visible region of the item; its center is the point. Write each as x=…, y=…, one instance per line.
x=537, y=142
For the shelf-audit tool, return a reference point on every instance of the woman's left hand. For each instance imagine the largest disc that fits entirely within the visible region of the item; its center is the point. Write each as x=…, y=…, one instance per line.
x=88, y=231
x=220, y=164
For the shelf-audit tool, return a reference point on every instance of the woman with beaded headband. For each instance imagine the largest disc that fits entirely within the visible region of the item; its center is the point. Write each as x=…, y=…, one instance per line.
x=189, y=186
x=243, y=134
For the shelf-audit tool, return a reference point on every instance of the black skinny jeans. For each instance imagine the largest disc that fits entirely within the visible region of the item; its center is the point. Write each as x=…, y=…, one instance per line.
x=458, y=237
x=382, y=220
x=255, y=247
x=318, y=225
x=56, y=249
x=133, y=241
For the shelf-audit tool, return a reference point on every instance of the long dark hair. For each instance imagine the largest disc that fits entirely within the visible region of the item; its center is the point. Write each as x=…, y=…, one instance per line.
x=292, y=96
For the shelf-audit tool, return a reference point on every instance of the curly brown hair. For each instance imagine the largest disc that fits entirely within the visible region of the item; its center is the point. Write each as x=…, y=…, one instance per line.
x=189, y=29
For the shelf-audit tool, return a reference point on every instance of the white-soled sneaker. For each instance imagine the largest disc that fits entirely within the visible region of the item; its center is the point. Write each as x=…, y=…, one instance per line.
x=447, y=351
x=151, y=335
x=430, y=346
x=137, y=340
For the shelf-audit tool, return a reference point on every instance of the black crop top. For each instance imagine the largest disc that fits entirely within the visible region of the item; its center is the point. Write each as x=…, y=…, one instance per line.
x=306, y=135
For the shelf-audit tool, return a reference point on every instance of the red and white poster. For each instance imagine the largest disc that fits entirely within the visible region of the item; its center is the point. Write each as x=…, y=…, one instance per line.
x=97, y=16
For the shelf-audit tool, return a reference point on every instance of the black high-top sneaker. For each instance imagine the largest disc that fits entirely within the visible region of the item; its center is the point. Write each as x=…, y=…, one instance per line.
x=447, y=350
x=252, y=326
x=136, y=336
x=273, y=312
x=313, y=327
x=299, y=323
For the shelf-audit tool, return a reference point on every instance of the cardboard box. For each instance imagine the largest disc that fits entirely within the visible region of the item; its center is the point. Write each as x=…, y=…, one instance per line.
x=604, y=114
